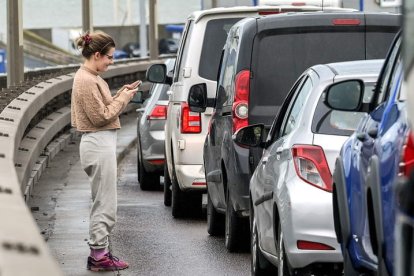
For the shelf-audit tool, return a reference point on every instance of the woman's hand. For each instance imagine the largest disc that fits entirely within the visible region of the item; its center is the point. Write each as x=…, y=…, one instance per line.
x=131, y=92
x=133, y=85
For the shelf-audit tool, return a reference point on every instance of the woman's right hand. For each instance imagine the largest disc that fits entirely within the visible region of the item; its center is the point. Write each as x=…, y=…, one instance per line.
x=131, y=92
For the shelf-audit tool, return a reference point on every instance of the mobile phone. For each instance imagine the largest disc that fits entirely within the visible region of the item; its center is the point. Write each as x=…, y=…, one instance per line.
x=137, y=83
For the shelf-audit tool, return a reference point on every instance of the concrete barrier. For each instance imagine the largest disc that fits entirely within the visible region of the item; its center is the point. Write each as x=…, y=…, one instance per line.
x=22, y=159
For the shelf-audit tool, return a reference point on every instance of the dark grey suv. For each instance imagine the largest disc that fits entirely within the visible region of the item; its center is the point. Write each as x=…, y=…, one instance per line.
x=261, y=59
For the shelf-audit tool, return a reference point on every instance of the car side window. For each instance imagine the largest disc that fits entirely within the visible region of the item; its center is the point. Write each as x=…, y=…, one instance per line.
x=384, y=83
x=290, y=121
x=275, y=129
x=395, y=82
x=182, y=55
x=229, y=70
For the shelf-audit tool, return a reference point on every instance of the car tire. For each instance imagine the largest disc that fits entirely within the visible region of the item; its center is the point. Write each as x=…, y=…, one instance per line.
x=147, y=181
x=259, y=264
x=185, y=204
x=283, y=268
x=236, y=228
x=177, y=199
x=167, y=186
x=215, y=220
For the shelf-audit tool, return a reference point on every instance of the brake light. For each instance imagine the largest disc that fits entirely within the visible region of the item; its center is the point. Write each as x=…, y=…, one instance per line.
x=159, y=112
x=268, y=12
x=308, y=245
x=241, y=100
x=298, y=3
x=190, y=121
x=312, y=167
x=346, y=22
x=407, y=158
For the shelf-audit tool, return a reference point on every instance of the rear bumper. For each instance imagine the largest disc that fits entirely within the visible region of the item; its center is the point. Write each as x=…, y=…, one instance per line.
x=191, y=177
x=307, y=216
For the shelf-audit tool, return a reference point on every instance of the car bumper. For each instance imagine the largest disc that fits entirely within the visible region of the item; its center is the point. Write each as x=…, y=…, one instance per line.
x=191, y=177
x=306, y=215
x=153, y=149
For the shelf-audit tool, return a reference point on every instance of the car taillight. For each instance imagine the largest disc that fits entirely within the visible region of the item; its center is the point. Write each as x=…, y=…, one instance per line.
x=312, y=167
x=346, y=22
x=190, y=121
x=159, y=112
x=407, y=158
x=157, y=161
x=308, y=245
x=241, y=100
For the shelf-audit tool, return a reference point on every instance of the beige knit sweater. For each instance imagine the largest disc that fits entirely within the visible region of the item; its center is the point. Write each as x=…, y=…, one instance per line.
x=93, y=107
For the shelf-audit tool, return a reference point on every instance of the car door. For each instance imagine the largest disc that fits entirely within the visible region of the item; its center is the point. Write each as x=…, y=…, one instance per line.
x=362, y=151
x=391, y=138
x=176, y=89
x=274, y=163
x=220, y=125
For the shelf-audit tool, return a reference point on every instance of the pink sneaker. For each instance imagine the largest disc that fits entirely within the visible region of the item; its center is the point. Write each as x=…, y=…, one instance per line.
x=107, y=263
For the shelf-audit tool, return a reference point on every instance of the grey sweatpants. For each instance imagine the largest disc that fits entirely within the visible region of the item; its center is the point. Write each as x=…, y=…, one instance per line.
x=98, y=159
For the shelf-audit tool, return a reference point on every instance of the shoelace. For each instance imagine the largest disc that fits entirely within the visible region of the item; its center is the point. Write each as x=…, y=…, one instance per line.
x=114, y=259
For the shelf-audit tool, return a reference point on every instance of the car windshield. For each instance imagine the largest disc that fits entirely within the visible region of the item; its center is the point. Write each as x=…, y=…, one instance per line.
x=335, y=122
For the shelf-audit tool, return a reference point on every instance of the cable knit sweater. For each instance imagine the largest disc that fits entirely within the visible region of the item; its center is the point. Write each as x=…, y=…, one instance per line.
x=93, y=107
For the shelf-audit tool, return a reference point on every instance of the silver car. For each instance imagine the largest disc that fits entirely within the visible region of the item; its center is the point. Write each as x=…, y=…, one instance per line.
x=150, y=135
x=291, y=189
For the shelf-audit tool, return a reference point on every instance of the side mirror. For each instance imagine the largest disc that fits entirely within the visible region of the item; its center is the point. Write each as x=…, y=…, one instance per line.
x=197, y=98
x=345, y=95
x=157, y=73
x=250, y=136
x=138, y=98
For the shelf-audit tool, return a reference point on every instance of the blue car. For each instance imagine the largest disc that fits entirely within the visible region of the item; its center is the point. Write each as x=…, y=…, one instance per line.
x=366, y=170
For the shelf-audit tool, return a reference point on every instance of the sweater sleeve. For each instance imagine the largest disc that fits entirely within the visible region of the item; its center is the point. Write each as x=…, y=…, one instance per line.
x=97, y=112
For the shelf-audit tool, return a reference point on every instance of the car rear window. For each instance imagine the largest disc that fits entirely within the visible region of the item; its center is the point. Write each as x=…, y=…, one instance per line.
x=280, y=56
x=214, y=38
x=334, y=122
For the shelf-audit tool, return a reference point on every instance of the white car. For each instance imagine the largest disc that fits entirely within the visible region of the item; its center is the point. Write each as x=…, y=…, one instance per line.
x=291, y=189
x=197, y=64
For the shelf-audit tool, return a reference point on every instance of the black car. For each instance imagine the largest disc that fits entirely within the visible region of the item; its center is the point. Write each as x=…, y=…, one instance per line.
x=261, y=59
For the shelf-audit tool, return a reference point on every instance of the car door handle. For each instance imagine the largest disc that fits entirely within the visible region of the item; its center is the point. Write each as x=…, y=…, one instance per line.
x=373, y=132
x=361, y=136
x=264, y=160
x=279, y=150
x=169, y=92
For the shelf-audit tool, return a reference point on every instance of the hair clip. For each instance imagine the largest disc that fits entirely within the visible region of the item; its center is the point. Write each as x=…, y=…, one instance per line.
x=87, y=38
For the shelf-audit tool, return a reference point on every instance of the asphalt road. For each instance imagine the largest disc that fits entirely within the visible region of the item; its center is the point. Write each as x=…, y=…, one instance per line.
x=146, y=235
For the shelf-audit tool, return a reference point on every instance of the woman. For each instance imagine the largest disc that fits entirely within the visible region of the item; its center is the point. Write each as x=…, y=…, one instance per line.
x=95, y=113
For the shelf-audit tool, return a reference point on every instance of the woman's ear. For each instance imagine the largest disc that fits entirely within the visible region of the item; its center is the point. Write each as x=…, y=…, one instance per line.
x=96, y=55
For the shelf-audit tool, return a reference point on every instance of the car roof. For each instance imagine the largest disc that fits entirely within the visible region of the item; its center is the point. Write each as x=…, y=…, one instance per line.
x=351, y=68
x=198, y=15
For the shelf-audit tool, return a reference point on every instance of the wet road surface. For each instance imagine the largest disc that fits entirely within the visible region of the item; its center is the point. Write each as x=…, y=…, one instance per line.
x=146, y=234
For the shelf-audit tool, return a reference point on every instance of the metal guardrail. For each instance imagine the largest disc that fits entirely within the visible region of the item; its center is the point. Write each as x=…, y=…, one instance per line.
x=27, y=124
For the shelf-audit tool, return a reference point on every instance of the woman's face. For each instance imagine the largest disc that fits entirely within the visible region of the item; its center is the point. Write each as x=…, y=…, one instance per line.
x=104, y=60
